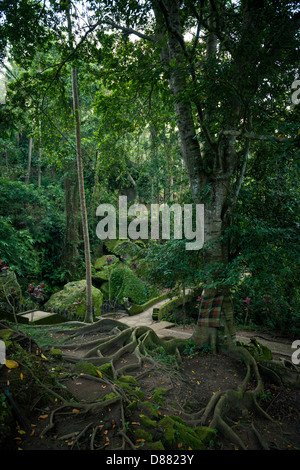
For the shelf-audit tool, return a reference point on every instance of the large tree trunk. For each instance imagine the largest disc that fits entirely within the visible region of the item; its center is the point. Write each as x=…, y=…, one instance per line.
x=172, y=52
x=209, y=173
x=215, y=258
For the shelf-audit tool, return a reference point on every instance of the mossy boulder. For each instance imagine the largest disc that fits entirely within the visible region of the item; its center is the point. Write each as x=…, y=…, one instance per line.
x=126, y=284
x=72, y=298
x=126, y=248
x=102, y=261
x=99, y=277
x=105, y=290
x=111, y=245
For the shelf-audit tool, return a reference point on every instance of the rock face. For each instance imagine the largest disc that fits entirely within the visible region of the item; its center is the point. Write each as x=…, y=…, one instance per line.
x=72, y=299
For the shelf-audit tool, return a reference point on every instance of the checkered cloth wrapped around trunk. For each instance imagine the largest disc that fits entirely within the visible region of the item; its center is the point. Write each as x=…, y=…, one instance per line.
x=210, y=311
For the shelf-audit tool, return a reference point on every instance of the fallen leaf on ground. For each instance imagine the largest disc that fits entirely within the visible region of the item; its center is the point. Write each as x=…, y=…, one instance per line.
x=10, y=364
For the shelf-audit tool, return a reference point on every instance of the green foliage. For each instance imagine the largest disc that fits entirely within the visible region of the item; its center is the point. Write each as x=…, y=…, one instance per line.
x=85, y=368
x=126, y=284
x=265, y=232
x=31, y=229
x=72, y=298
x=16, y=248
x=191, y=348
x=130, y=138
x=170, y=264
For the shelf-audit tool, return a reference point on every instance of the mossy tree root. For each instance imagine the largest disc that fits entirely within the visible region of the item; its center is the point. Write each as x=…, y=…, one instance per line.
x=143, y=343
x=241, y=398
x=138, y=341
x=67, y=408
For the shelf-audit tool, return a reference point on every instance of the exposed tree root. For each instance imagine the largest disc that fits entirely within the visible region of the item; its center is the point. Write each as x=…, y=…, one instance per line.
x=142, y=343
x=142, y=346
x=221, y=403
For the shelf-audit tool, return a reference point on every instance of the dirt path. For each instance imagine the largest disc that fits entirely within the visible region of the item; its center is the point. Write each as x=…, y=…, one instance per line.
x=280, y=347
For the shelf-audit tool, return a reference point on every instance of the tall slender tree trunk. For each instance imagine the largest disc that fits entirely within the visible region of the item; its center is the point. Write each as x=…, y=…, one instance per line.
x=85, y=231
x=30, y=146
x=40, y=142
x=71, y=253
x=6, y=157
x=40, y=155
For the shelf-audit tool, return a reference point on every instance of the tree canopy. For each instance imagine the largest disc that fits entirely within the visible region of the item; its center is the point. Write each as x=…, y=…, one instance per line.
x=179, y=101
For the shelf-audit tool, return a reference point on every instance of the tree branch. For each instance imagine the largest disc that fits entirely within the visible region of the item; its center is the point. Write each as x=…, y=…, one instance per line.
x=126, y=30
x=170, y=28
x=252, y=136
x=242, y=174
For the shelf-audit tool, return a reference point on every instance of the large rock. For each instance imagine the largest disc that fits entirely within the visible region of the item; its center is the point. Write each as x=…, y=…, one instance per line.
x=105, y=261
x=73, y=299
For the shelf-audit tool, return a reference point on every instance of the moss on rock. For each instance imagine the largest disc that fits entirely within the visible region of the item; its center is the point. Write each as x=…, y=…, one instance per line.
x=100, y=262
x=100, y=276
x=126, y=284
x=205, y=434
x=72, y=298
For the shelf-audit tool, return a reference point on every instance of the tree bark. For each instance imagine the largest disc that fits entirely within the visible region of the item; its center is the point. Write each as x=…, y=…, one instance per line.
x=40, y=155
x=30, y=146
x=172, y=53
x=89, y=306
x=71, y=253
x=210, y=170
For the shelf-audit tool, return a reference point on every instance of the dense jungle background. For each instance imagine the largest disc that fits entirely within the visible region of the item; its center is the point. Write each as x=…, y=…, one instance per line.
x=165, y=102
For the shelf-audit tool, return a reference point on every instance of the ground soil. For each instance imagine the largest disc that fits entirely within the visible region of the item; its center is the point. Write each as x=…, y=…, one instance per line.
x=190, y=386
